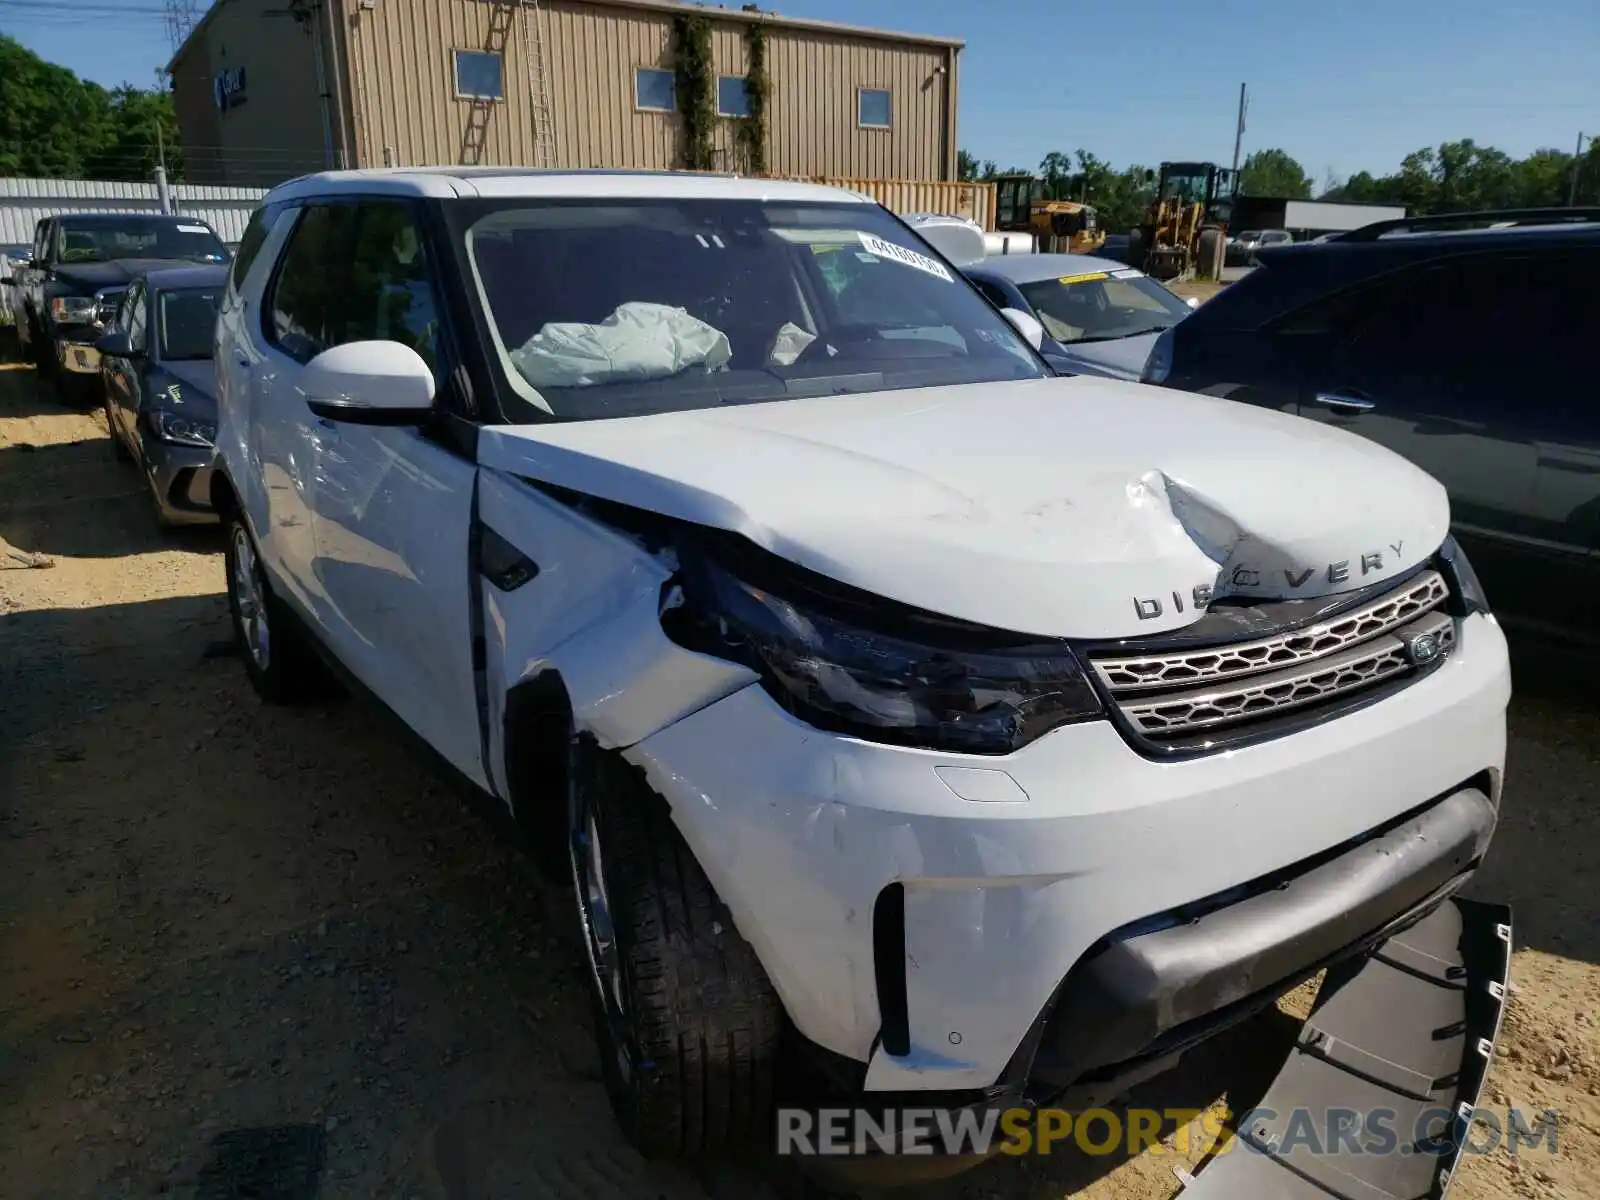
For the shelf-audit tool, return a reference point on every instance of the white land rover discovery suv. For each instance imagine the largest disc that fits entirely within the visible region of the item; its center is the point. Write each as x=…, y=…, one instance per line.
x=974, y=735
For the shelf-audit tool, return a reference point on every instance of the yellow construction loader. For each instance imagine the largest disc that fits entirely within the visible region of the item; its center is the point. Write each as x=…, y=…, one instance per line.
x=1185, y=228
x=1058, y=226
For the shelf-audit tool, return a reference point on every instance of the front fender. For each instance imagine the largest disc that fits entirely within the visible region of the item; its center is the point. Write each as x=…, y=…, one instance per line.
x=586, y=608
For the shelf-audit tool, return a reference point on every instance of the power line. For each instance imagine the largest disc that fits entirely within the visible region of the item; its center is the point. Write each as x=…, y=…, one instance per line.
x=104, y=6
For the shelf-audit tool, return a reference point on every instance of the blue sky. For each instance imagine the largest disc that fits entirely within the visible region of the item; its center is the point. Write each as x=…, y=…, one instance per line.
x=1343, y=87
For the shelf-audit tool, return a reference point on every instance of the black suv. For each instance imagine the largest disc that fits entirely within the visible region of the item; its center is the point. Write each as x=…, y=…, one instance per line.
x=1458, y=342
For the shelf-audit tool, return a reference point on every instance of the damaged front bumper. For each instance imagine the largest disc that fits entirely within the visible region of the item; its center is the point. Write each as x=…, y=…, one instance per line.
x=1052, y=926
x=1376, y=1099
x=1374, y=1102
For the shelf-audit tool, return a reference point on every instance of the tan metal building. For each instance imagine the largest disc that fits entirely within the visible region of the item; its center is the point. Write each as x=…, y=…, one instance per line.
x=268, y=89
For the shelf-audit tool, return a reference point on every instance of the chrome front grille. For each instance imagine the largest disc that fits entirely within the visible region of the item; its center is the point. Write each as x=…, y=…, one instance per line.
x=107, y=301
x=1182, y=694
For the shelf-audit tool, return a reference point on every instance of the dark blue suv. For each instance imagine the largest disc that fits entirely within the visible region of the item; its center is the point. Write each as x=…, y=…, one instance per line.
x=1459, y=342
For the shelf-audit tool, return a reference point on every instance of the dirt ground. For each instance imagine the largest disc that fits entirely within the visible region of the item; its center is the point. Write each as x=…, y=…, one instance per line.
x=239, y=942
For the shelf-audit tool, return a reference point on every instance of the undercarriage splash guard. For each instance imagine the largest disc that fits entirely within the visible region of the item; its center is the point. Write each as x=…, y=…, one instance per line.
x=1406, y=1036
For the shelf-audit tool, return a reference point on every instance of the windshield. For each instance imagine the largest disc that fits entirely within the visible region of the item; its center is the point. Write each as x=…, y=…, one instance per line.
x=1099, y=306
x=186, y=319
x=1188, y=188
x=611, y=308
x=135, y=236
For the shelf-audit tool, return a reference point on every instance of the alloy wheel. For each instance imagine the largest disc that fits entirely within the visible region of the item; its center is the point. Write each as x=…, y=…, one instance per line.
x=599, y=928
x=250, y=600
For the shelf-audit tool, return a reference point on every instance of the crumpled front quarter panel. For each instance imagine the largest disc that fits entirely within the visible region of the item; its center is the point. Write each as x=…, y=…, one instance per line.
x=590, y=614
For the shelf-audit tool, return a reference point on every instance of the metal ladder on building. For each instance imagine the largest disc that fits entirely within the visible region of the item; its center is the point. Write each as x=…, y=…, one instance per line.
x=481, y=109
x=544, y=133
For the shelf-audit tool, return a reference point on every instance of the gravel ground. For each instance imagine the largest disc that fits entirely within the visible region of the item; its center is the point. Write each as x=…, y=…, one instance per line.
x=238, y=942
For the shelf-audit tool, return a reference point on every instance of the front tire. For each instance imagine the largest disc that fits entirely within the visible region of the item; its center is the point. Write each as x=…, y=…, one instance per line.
x=281, y=669
x=685, y=1017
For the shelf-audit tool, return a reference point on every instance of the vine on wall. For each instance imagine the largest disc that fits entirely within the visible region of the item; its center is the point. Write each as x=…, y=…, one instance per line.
x=695, y=82
x=752, y=131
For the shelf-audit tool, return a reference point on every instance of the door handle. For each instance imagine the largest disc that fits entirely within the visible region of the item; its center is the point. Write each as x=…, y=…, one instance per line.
x=1346, y=405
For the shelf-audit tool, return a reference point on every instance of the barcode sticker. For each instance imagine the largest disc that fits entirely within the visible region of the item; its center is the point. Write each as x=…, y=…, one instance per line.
x=906, y=258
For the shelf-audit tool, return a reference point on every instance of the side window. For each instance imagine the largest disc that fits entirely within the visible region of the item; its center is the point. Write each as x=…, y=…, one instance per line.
x=41, y=242
x=136, y=316
x=298, y=315
x=390, y=296
x=255, y=236
x=353, y=273
x=1443, y=320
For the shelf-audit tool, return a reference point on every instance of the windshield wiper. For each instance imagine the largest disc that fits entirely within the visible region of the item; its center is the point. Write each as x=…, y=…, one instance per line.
x=1117, y=337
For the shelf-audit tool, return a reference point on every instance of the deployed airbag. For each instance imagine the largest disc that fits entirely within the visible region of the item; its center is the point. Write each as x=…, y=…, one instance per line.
x=637, y=341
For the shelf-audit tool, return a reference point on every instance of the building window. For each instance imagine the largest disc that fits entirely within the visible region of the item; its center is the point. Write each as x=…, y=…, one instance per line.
x=654, y=89
x=733, y=100
x=872, y=108
x=479, y=75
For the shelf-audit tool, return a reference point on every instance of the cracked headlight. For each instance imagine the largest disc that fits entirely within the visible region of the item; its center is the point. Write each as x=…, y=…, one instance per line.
x=867, y=667
x=1466, y=588
x=185, y=431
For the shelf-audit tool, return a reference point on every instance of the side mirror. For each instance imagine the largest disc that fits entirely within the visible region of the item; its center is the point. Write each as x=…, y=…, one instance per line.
x=1027, y=325
x=114, y=344
x=369, y=383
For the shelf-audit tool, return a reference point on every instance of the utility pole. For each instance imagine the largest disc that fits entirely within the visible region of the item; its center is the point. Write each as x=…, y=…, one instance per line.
x=1238, y=132
x=163, y=192
x=1577, y=169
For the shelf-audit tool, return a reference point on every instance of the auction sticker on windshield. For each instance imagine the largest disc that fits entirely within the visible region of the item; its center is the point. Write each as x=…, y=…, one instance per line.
x=1083, y=278
x=908, y=258
x=193, y=229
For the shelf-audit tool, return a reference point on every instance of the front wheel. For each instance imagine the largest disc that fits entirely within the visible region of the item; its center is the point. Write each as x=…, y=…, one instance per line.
x=685, y=1017
x=281, y=669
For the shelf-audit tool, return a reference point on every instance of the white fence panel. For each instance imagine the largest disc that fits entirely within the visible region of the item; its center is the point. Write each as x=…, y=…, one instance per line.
x=24, y=202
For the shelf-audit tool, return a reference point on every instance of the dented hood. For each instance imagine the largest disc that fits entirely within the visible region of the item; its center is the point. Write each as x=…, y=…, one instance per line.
x=1074, y=507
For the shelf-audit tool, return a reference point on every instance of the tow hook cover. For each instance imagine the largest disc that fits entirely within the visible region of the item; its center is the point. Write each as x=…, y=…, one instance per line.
x=1376, y=1098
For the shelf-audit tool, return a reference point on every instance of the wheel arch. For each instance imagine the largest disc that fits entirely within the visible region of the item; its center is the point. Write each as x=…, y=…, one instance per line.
x=224, y=499
x=536, y=728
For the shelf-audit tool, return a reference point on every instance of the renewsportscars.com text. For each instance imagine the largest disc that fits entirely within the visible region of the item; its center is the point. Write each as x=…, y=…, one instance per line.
x=845, y=1132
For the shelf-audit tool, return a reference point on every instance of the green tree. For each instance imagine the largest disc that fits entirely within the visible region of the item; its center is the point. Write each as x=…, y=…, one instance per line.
x=1056, y=167
x=142, y=131
x=1274, y=173
x=1462, y=176
x=54, y=125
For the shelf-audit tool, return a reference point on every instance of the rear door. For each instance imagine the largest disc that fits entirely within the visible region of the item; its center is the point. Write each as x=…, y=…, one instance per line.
x=1437, y=367
x=1563, y=418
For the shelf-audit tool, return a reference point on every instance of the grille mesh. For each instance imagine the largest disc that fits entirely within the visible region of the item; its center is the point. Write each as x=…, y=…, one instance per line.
x=1172, y=695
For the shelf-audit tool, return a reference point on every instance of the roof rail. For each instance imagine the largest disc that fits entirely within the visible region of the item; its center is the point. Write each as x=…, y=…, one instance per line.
x=1469, y=220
